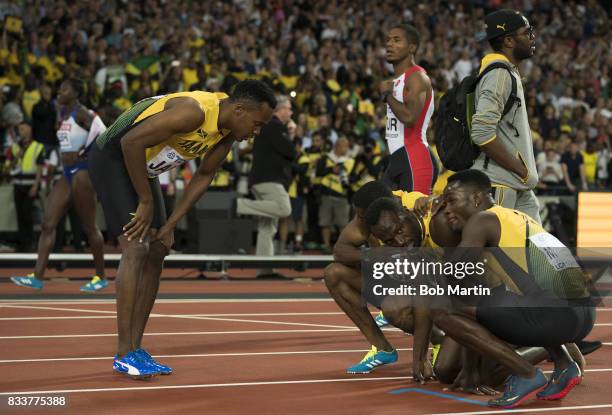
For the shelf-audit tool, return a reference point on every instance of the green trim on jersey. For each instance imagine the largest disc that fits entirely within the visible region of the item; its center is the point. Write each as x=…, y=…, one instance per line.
x=124, y=122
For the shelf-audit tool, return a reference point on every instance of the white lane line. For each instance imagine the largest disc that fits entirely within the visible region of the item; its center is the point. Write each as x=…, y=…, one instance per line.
x=169, y=356
x=55, y=318
x=506, y=411
x=191, y=333
x=208, y=385
x=285, y=323
x=175, y=301
x=78, y=310
x=238, y=320
x=331, y=313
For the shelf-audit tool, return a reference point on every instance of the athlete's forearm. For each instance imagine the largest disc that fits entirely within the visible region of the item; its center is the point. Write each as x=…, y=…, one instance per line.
x=135, y=162
x=402, y=113
x=422, y=332
x=193, y=192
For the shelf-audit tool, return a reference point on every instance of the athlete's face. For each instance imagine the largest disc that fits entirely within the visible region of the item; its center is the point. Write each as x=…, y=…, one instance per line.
x=396, y=231
x=249, y=119
x=66, y=94
x=460, y=204
x=398, y=46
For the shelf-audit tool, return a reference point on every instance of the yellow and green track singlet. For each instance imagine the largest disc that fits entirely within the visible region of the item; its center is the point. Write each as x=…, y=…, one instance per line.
x=178, y=148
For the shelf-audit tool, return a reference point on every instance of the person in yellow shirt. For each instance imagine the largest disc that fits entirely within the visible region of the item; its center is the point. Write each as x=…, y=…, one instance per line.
x=27, y=158
x=333, y=171
x=158, y=134
x=589, y=158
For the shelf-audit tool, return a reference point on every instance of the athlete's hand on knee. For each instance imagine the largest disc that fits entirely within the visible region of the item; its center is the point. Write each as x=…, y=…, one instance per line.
x=468, y=381
x=422, y=371
x=139, y=226
x=166, y=236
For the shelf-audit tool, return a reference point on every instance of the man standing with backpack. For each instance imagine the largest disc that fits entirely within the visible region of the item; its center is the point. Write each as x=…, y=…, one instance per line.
x=482, y=122
x=505, y=140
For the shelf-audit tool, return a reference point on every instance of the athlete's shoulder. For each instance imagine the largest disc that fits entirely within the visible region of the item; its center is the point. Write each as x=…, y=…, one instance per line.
x=418, y=78
x=354, y=233
x=483, y=220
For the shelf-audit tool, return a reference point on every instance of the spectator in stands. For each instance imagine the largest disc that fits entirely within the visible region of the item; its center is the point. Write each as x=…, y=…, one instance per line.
x=298, y=190
x=333, y=171
x=26, y=158
x=589, y=157
x=550, y=171
x=573, y=169
x=44, y=120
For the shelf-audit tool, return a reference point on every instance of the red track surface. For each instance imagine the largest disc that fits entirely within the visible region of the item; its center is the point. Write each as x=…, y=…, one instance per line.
x=233, y=357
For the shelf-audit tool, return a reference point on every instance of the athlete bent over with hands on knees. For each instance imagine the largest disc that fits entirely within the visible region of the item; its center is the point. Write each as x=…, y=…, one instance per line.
x=156, y=135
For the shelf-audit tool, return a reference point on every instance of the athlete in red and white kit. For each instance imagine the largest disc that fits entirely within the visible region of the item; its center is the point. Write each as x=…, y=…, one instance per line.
x=410, y=105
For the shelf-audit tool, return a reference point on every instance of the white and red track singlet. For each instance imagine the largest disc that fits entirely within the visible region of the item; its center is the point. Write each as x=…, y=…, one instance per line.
x=413, y=139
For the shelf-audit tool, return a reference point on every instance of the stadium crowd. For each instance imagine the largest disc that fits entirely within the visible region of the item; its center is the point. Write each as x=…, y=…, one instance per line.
x=328, y=56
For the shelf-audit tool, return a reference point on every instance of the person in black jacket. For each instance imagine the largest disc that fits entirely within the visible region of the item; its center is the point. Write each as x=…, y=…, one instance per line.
x=44, y=120
x=273, y=155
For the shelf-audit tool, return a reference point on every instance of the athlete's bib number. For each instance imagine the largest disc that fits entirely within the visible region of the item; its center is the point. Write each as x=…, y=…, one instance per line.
x=63, y=137
x=165, y=160
x=557, y=254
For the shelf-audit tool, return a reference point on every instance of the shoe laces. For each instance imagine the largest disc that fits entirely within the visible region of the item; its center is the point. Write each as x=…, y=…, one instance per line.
x=370, y=355
x=510, y=383
x=95, y=279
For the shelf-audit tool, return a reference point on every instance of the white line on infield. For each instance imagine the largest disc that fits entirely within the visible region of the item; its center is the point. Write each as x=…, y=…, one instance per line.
x=70, y=359
x=175, y=301
x=208, y=385
x=331, y=313
x=509, y=411
x=285, y=323
x=190, y=333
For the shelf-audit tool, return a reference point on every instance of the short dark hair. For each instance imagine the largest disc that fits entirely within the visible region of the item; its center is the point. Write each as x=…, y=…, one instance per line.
x=369, y=192
x=254, y=91
x=77, y=85
x=412, y=34
x=385, y=204
x=471, y=177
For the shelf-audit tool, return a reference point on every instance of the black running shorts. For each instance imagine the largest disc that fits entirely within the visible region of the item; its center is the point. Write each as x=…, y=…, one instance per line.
x=115, y=191
x=512, y=318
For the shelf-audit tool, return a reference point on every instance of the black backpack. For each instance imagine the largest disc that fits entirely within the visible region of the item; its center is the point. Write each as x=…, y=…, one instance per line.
x=453, y=122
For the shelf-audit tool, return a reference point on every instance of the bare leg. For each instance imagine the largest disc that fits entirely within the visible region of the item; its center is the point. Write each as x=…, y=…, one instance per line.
x=133, y=258
x=57, y=205
x=85, y=204
x=560, y=357
x=344, y=285
x=299, y=232
x=283, y=232
x=147, y=290
x=326, y=235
